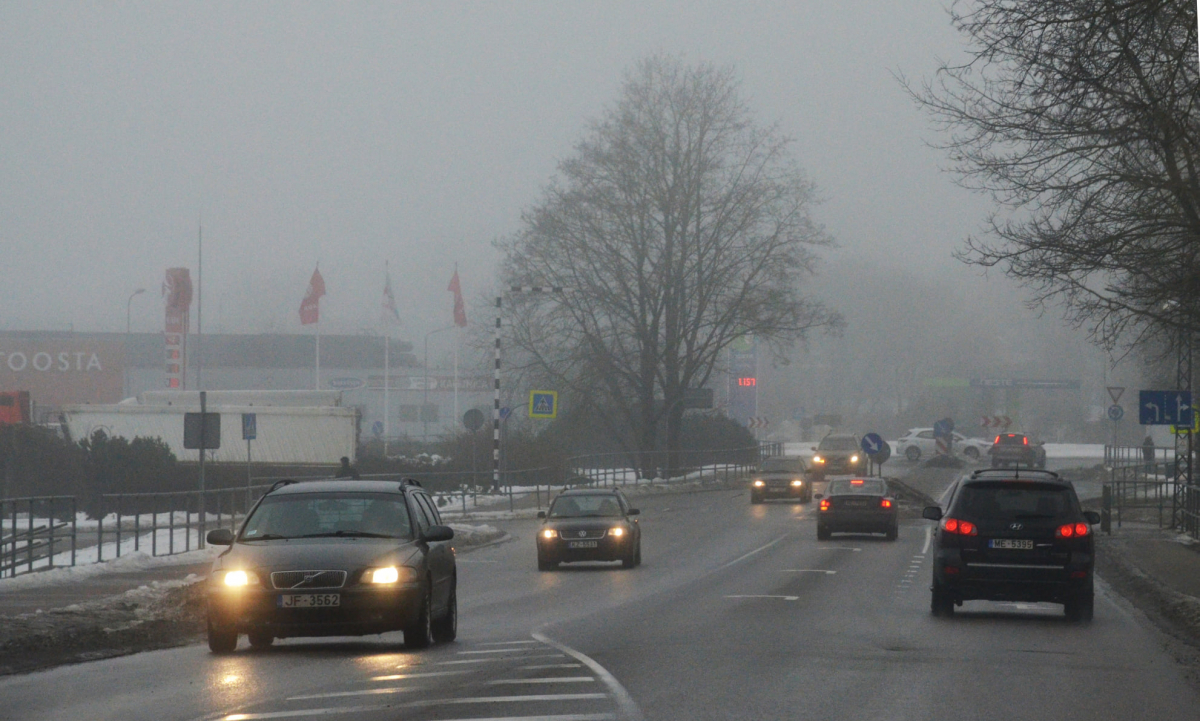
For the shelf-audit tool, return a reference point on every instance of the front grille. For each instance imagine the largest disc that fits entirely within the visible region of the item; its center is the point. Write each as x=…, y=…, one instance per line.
x=574, y=534
x=292, y=580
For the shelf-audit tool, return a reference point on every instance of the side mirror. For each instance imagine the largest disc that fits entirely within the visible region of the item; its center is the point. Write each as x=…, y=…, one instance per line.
x=1041, y=443
x=434, y=534
x=1092, y=517
x=541, y=514
x=933, y=513
x=633, y=512
x=220, y=537
x=818, y=496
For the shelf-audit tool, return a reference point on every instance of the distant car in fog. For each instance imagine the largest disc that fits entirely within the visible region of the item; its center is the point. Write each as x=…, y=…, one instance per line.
x=919, y=442
x=781, y=476
x=838, y=453
x=858, y=505
x=1016, y=449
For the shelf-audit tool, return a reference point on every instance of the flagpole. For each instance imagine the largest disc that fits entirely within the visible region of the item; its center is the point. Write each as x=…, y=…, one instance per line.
x=317, y=375
x=457, y=338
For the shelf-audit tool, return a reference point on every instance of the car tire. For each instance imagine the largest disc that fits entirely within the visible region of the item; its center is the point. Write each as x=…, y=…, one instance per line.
x=260, y=639
x=941, y=603
x=822, y=533
x=221, y=640
x=755, y=498
x=545, y=565
x=630, y=560
x=893, y=532
x=637, y=558
x=445, y=629
x=1081, y=608
x=971, y=452
x=912, y=453
x=419, y=634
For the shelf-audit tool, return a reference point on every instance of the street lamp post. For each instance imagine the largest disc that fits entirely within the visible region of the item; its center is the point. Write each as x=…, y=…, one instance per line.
x=128, y=327
x=425, y=385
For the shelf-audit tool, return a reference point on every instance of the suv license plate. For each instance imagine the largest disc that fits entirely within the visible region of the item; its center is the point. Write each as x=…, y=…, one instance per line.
x=583, y=544
x=1019, y=544
x=309, y=600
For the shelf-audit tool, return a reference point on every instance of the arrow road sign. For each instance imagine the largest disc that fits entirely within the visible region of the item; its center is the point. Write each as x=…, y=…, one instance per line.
x=1115, y=392
x=755, y=422
x=995, y=422
x=872, y=444
x=1165, y=408
x=1115, y=412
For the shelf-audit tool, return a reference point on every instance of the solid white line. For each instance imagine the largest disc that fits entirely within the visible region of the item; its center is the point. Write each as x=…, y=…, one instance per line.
x=469, y=660
x=839, y=548
x=785, y=598
x=301, y=712
x=548, y=679
x=807, y=570
x=494, y=650
x=427, y=674
x=744, y=556
x=508, y=643
x=342, y=694
x=537, y=666
x=928, y=539
x=507, y=699
x=629, y=709
x=552, y=717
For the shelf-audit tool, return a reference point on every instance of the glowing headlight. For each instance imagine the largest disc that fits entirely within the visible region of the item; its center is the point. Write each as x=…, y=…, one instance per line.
x=759, y=484
x=549, y=533
x=797, y=483
x=818, y=459
x=617, y=531
x=237, y=578
x=390, y=574
x=854, y=459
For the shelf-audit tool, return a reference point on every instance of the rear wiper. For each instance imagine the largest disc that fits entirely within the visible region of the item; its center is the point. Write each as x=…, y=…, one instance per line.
x=348, y=534
x=265, y=537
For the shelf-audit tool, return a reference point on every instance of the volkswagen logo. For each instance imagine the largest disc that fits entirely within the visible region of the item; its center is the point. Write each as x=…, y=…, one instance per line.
x=1015, y=526
x=583, y=534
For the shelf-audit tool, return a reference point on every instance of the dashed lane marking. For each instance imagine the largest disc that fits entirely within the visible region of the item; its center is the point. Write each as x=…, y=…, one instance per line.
x=425, y=674
x=758, y=550
x=759, y=595
x=494, y=650
x=505, y=699
x=807, y=570
x=839, y=548
x=345, y=694
x=540, y=666
x=549, y=679
x=509, y=643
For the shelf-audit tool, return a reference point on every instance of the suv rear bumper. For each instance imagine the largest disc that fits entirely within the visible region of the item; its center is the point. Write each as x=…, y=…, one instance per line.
x=1013, y=582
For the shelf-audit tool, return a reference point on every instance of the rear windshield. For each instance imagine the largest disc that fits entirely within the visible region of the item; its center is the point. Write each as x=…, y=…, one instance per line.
x=865, y=486
x=597, y=506
x=307, y=515
x=782, y=465
x=1012, y=440
x=842, y=443
x=1013, y=500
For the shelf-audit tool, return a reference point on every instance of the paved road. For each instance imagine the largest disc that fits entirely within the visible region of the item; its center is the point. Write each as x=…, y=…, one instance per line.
x=738, y=613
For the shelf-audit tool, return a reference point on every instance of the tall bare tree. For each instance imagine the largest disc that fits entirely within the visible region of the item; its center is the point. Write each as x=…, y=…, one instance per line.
x=680, y=225
x=1080, y=117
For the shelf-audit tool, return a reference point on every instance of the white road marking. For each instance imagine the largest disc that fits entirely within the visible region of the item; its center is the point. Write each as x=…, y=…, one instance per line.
x=629, y=709
x=839, y=548
x=506, y=699
x=342, y=694
x=301, y=712
x=807, y=570
x=552, y=717
x=469, y=660
x=760, y=549
x=539, y=666
x=928, y=539
x=426, y=674
x=785, y=598
x=509, y=643
x=548, y=679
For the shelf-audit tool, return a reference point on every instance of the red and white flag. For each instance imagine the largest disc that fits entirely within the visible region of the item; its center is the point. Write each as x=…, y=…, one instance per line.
x=310, y=307
x=391, y=316
x=460, y=308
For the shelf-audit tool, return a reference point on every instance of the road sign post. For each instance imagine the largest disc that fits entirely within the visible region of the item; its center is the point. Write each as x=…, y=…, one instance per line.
x=249, y=433
x=876, y=449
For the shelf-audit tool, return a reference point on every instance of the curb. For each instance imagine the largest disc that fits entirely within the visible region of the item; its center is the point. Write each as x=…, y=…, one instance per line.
x=1177, y=614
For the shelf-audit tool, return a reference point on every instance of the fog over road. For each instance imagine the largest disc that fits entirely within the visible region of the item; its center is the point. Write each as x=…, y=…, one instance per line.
x=737, y=613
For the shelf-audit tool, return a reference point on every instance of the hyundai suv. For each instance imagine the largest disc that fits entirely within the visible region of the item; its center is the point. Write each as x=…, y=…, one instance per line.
x=1013, y=536
x=335, y=558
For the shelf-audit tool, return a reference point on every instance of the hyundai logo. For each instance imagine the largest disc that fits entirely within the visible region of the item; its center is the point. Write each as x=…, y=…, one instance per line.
x=1015, y=526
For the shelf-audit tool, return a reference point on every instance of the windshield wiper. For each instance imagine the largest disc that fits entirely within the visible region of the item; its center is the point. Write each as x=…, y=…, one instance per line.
x=348, y=534
x=265, y=537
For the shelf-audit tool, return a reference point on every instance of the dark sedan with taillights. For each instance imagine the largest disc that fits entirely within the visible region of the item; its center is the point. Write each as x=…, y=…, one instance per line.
x=858, y=505
x=1013, y=536
x=335, y=558
x=589, y=525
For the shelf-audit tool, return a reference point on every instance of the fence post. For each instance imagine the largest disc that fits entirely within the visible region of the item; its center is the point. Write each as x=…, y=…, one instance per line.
x=1106, y=509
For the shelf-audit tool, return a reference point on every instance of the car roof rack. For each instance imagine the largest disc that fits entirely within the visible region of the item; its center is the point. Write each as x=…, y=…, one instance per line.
x=1013, y=472
x=410, y=482
x=280, y=484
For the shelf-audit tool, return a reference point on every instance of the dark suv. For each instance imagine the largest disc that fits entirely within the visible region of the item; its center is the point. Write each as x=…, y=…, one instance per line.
x=335, y=558
x=838, y=453
x=1015, y=449
x=1013, y=536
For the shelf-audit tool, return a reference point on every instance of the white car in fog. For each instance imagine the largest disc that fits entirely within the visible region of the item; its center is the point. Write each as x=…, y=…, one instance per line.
x=919, y=443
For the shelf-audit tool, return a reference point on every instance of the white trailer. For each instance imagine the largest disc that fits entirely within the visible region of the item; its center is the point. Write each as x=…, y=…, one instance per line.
x=293, y=427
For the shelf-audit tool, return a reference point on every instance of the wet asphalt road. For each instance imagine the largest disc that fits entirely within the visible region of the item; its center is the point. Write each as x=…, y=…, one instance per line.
x=737, y=613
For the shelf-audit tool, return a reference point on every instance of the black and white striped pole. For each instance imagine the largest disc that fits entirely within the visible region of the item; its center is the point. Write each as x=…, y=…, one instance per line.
x=496, y=372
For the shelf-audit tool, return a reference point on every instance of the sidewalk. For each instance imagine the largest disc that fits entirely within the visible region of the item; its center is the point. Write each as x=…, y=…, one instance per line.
x=1158, y=570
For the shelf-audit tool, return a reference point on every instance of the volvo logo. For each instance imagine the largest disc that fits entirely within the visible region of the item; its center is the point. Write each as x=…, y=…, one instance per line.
x=1015, y=526
x=308, y=578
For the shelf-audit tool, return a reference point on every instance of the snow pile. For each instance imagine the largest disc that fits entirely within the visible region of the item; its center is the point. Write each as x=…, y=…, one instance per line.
x=466, y=535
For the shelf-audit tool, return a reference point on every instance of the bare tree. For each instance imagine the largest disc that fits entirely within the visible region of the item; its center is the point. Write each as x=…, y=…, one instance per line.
x=680, y=225
x=1080, y=118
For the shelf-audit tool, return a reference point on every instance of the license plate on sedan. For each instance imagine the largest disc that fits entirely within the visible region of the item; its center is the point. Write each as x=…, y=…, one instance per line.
x=583, y=544
x=1018, y=544
x=309, y=600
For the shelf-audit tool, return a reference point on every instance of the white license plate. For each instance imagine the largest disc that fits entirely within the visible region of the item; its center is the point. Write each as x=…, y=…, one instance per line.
x=309, y=600
x=583, y=544
x=1019, y=544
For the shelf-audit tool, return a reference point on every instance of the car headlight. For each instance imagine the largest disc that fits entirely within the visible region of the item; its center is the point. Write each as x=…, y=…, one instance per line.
x=616, y=531
x=854, y=459
x=549, y=533
x=797, y=483
x=237, y=579
x=390, y=574
x=818, y=459
x=759, y=483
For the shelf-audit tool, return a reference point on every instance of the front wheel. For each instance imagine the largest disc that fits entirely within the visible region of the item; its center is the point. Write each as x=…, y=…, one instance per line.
x=545, y=565
x=913, y=454
x=971, y=452
x=445, y=629
x=420, y=633
x=221, y=640
x=756, y=498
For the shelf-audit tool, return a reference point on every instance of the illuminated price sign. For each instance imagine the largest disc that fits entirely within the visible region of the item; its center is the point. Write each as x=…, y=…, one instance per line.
x=747, y=382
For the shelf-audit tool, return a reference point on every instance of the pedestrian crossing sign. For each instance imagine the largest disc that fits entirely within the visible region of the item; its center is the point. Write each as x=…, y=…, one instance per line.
x=543, y=404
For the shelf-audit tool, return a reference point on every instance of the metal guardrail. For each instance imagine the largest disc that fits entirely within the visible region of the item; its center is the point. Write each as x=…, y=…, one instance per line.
x=155, y=518
x=1128, y=455
x=34, y=531
x=632, y=469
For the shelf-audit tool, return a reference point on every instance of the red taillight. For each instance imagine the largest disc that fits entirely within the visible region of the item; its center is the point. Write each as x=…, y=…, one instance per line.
x=961, y=528
x=1025, y=440
x=824, y=504
x=885, y=503
x=856, y=483
x=1073, y=530
x=997, y=439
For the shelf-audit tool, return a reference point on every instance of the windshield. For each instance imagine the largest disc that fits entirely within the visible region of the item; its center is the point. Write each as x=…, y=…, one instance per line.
x=839, y=443
x=595, y=506
x=310, y=515
x=782, y=465
x=1013, y=500
x=866, y=487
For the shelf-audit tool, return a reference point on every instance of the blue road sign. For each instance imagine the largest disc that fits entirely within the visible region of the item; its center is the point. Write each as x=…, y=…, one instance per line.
x=1115, y=412
x=249, y=426
x=377, y=428
x=543, y=404
x=872, y=444
x=1165, y=408
x=943, y=428
x=505, y=412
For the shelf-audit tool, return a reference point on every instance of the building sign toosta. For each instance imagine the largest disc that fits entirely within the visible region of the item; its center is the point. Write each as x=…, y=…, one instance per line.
x=62, y=371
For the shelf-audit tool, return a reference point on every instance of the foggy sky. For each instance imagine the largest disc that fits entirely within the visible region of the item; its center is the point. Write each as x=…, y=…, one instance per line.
x=354, y=134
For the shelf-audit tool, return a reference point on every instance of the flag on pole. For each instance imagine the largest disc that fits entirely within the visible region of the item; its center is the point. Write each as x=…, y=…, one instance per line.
x=310, y=307
x=460, y=308
x=391, y=316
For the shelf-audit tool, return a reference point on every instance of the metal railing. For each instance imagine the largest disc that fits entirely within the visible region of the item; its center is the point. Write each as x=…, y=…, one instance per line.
x=1140, y=486
x=171, y=522
x=34, y=531
x=633, y=469
x=1129, y=455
